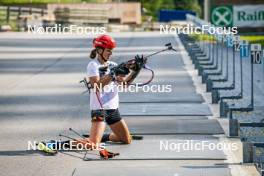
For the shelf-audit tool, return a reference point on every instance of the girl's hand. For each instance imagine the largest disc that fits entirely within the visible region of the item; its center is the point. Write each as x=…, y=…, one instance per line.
x=120, y=78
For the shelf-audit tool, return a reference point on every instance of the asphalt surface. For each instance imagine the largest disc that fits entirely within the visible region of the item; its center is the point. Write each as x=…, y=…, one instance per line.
x=41, y=97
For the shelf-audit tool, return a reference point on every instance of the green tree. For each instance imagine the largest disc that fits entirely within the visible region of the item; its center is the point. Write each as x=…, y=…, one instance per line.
x=188, y=5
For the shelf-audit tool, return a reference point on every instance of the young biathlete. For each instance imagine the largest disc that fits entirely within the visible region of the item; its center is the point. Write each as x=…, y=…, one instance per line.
x=104, y=99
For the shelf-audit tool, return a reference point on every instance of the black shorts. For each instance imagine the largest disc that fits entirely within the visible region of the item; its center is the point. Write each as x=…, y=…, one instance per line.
x=110, y=116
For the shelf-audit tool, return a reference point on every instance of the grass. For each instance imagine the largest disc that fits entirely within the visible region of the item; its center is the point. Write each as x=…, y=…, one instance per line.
x=254, y=39
x=249, y=38
x=201, y=37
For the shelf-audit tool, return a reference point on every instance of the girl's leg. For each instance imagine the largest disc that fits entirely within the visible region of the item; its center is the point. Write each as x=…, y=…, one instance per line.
x=120, y=132
x=96, y=132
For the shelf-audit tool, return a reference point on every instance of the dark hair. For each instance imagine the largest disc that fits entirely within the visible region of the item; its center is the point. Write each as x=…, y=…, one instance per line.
x=93, y=53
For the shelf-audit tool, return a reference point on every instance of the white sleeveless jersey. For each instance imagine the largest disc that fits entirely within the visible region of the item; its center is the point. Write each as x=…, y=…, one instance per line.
x=109, y=96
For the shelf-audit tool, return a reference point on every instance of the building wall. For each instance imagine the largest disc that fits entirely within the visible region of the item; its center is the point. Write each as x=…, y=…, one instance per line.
x=128, y=13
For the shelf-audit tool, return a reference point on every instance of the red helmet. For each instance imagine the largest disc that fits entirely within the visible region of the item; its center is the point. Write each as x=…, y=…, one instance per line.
x=104, y=41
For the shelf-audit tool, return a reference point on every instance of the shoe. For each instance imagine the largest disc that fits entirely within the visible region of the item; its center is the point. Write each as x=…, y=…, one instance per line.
x=106, y=154
x=42, y=147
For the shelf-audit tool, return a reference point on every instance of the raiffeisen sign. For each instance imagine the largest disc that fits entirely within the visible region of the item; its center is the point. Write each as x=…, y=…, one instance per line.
x=248, y=16
x=238, y=15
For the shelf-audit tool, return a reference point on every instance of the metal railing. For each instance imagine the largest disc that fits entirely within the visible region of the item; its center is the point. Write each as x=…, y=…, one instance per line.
x=233, y=72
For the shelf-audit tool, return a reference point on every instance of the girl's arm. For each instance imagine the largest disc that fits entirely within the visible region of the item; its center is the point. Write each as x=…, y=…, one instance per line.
x=97, y=82
x=126, y=80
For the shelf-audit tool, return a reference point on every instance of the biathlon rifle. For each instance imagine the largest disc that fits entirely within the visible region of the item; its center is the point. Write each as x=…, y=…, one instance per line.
x=135, y=64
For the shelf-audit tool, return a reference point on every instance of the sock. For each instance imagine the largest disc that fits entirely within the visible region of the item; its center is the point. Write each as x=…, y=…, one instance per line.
x=105, y=138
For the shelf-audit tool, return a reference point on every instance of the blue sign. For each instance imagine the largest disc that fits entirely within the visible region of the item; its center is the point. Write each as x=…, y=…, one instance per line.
x=244, y=48
x=229, y=41
x=172, y=15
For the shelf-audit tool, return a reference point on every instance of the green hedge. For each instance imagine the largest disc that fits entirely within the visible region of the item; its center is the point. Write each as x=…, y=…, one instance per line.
x=250, y=39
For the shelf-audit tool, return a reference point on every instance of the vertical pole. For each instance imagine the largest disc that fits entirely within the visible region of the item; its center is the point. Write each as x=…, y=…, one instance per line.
x=217, y=58
x=210, y=47
x=234, y=65
x=221, y=52
x=19, y=11
x=233, y=127
x=7, y=14
x=213, y=49
x=203, y=43
x=262, y=85
x=252, y=83
x=247, y=152
x=241, y=78
x=227, y=59
x=206, y=10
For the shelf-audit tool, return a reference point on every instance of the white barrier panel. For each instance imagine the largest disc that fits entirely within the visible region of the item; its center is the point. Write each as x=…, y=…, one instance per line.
x=248, y=16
